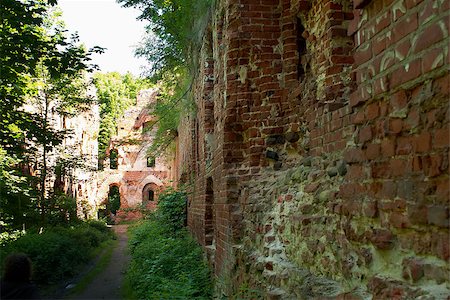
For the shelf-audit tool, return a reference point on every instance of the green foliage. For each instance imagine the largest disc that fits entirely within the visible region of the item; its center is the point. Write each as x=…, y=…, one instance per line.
x=166, y=266
x=57, y=252
x=39, y=66
x=61, y=209
x=174, y=36
x=113, y=199
x=16, y=206
x=173, y=100
x=22, y=44
x=172, y=209
x=174, y=32
x=115, y=93
x=166, y=262
x=34, y=44
x=11, y=181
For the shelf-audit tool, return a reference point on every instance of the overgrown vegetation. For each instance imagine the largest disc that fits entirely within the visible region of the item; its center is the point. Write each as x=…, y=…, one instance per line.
x=42, y=73
x=58, y=252
x=174, y=37
x=115, y=93
x=166, y=262
x=174, y=33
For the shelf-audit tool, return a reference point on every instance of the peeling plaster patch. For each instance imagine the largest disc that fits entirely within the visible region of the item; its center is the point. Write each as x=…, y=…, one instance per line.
x=398, y=6
x=371, y=71
x=407, y=67
x=242, y=74
x=364, y=18
x=274, y=111
x=439, y=60
x=278, y=49
x=443, y=27
x=389, y=57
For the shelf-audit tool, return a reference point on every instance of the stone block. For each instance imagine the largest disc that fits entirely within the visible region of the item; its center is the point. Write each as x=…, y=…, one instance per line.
x=383, y=239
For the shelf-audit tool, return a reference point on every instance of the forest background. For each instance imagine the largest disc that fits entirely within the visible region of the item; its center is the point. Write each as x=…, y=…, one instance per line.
x=42, y=66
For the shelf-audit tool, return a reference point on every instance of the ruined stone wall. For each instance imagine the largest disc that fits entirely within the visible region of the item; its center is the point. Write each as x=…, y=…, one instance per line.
x=71, y=165
x=83, y=144
x=325, y=172
x=133, y=175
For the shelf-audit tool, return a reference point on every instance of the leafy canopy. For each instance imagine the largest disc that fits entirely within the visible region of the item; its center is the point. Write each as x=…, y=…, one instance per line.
x=174, y=36
x=115, y=93
x=42, y=67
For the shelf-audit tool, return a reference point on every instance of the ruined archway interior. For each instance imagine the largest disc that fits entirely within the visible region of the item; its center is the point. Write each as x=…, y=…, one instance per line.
x=148, y=193
x=113, y=204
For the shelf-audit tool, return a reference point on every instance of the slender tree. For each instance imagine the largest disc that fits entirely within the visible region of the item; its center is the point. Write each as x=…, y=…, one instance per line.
x=43, y=69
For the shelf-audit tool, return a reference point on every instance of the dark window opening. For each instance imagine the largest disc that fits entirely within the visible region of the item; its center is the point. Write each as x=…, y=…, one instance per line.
x=113, y=159
x=151, y=195
x=301, y=48
x=148, y=193
x=150, y=162
x=113, y=199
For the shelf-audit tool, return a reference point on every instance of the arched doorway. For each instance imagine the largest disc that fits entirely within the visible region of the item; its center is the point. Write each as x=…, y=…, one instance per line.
x=149, y=193
x=113, y=204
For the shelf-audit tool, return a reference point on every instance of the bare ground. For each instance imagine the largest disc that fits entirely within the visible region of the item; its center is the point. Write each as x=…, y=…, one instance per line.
x=108, y=284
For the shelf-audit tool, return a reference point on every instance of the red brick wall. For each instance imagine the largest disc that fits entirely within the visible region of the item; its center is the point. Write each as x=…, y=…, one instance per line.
x=329, y=166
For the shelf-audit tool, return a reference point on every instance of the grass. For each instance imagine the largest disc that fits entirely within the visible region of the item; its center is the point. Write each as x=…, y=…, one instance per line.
x=165, y=264
x=127, y=291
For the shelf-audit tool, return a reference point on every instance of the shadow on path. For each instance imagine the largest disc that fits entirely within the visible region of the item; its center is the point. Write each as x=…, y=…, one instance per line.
x=108, y=284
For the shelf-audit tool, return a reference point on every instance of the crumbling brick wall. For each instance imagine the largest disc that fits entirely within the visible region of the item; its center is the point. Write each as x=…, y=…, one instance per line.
x=319, y=153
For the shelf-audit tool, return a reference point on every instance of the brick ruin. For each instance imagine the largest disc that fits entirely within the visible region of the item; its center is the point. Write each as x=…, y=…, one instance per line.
x=139, y=176
x=318, y=158
x=64, y=174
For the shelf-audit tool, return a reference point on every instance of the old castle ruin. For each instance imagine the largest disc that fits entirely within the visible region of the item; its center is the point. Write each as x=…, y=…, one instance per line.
x=318, y=158
x=138, y=175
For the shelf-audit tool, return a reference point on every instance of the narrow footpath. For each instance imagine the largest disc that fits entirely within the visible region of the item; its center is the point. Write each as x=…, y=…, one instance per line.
x=108, y=284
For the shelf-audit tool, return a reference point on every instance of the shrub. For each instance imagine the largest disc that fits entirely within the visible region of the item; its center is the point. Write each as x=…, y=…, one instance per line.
x=166, y=262
x=166, y=266
x=58, y=251
x=172, y=209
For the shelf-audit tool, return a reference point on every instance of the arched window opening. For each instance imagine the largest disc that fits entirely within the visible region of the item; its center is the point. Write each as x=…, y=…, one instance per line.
x=151, y=195
x=302, y=66
x=148, y=193
x=113, y=159
x=113, y=199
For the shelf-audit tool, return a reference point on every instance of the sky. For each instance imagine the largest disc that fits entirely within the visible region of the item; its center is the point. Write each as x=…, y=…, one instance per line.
x=106, y=24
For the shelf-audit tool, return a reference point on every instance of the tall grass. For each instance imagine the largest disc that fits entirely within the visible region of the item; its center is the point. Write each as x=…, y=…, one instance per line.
x=166, y=263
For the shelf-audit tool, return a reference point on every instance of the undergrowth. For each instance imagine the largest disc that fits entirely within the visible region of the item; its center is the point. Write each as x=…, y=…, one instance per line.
x=58, y=252
x=166, y=262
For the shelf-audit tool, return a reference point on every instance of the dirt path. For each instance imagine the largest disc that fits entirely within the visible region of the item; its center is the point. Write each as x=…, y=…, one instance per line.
x=108, y=284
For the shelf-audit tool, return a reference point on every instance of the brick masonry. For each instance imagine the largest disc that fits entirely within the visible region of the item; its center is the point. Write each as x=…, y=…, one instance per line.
x=133, y=175
x=318, y=158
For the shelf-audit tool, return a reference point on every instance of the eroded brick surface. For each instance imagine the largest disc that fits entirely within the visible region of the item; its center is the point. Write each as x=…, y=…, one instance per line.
x=318, y=158
x=133, y=174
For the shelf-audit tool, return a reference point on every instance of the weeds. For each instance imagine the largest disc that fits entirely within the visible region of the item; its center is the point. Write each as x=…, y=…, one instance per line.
x=167, y=263
x=57, y=252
